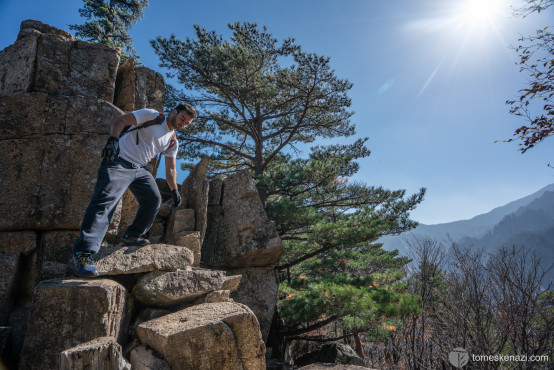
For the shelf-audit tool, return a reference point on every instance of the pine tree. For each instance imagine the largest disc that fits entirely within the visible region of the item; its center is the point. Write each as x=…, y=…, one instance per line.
x=110, y=22
x=259, y=103
x=332, y=272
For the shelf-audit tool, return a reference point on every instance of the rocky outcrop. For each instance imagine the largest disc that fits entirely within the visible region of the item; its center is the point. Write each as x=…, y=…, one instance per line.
x=331, y=353
x=125, y=86
x=258, y=290
x=194, y=193
x=46, y=138
x=56, y=95
x=132, y=260
x=166, y=289
x=71, y=311
x=102, y=353
x=240, y=234
x=149, y=89
x=45, y=59
x=12, y=246
x=241, y=239
x=185, y=338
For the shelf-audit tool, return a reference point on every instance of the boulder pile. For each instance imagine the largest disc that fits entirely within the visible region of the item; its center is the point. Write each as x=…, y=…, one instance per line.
x=201, y=296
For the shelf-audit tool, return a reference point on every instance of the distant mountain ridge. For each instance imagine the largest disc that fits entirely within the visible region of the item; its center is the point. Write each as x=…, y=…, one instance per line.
x=528, y=220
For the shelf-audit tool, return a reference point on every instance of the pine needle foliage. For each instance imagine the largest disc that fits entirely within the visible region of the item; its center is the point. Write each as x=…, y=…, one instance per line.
x=109, y=23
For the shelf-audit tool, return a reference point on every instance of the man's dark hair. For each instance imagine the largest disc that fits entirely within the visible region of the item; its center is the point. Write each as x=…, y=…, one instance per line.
x=187, y=108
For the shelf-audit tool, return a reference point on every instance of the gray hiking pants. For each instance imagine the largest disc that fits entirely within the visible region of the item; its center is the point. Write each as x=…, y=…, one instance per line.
x=113, y=179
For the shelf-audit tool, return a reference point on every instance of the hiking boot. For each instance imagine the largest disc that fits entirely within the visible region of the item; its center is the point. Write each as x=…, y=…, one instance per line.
x=137, y=241
x=82, y=265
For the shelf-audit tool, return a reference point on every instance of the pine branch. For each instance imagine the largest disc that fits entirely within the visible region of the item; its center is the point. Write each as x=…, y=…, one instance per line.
x=307, y=329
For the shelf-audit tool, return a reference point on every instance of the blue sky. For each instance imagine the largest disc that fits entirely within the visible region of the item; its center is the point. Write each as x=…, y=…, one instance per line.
x=430, y=81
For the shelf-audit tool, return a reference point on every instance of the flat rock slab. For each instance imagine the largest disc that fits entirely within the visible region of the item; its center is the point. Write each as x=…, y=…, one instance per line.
x=132, y=260
x=164, y=289
x=68, y=312
x=207, y=336
x=99, y=354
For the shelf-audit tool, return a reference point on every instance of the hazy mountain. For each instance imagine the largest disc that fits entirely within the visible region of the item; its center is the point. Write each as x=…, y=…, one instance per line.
x=531, y=225
x=529, y=220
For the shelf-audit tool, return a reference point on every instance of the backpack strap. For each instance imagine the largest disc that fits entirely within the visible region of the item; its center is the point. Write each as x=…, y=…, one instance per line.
x=156, y=121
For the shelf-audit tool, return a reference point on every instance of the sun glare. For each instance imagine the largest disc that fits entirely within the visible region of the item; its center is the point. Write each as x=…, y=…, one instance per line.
x=482, y=11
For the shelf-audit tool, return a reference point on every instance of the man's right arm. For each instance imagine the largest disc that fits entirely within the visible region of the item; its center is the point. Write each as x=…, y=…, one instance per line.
x=120, y=122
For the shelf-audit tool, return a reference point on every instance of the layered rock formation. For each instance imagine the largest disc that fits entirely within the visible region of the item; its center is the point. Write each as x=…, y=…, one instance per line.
x=240, y=239
x=55, y=106
x=57, y=96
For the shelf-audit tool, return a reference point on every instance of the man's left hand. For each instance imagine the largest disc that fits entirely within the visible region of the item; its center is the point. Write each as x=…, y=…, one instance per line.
x=176, y=198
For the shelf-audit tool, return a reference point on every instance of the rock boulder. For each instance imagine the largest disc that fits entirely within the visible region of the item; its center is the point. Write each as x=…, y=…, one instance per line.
x=194, y=192
x=258, y=290
x=71, y=312
x=241, y=235
x=164, y=289
x=207, y=336
x=132, y=259
x=98, y=354
x=46, y=59
x=335, y=353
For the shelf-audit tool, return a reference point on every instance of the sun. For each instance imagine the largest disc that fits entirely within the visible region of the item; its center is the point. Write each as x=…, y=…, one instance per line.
x=481, y=11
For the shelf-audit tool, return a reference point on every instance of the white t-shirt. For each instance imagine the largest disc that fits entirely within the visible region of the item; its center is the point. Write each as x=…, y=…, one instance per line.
x=151, y=140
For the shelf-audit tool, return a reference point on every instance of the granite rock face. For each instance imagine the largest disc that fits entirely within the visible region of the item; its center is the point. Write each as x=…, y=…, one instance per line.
x=142, y=358
x=334, y=353
x=12, y=246
x=149, y=89
x=217, y=296
x=207, y=336
x=102, y=353
x=71, y=312
x=215, y=192
x=241, y=235
x=258, y=290
x=125, y=86
x=55, y=250
x=194, y=193
x=180, y=220
x=164, y=289
x=45, y=59
x=47, y=138
x=132, y=259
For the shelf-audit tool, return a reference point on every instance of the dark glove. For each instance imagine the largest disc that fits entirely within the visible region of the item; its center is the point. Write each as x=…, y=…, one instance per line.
x=176, y=198
x=111, y=150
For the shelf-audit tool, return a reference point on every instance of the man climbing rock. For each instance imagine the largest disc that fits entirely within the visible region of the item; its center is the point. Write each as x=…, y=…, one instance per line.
x=135, y=139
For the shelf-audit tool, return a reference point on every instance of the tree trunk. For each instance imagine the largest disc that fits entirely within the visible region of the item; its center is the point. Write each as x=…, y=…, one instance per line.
x=358, y=342
x=259, y=158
